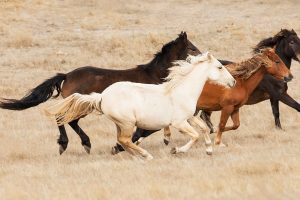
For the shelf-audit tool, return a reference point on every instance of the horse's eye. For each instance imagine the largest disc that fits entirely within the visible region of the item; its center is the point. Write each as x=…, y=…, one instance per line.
x=277, y=61
x=220, y=67
x=292, y=42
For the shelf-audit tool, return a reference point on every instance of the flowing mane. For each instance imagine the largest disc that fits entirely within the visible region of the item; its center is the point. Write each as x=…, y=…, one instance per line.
x=181, y=69
x=272, y=41
x=159, y=56
x=246, y=68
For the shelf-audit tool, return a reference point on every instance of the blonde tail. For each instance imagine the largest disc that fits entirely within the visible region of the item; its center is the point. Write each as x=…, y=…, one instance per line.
x=74, y=107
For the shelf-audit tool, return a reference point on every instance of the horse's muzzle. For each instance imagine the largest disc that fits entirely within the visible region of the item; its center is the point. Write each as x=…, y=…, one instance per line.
x=288, y=78
x=232, y=84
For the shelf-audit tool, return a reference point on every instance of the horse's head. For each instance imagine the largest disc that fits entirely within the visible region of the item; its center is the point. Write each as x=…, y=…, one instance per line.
x=290, y=43
x=217, y=73
x=179, y=49
x=286, y=42
x=275, y=66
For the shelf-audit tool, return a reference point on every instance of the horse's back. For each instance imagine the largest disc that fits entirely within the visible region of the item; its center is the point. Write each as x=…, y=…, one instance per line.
x=85, y=80
x=139, y=103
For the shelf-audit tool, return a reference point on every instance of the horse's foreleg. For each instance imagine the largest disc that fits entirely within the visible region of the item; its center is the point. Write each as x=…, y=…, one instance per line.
x=124, y=138
x=167, y=135
x=275, y=110
x=85, y=140
x=187, y=129
x=235, y=117
x=205, y=131
x=288, y=100
x=62, y=139
x=205, y=116
x=225, y=113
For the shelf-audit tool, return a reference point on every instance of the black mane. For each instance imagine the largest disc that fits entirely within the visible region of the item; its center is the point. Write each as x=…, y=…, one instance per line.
x=159, y=56
x=272, y=41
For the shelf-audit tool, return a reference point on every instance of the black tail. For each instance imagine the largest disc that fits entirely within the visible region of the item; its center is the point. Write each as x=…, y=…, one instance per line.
x=38, y=95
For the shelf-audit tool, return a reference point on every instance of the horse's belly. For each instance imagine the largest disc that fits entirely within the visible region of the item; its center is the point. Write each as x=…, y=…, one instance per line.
x=156, y=118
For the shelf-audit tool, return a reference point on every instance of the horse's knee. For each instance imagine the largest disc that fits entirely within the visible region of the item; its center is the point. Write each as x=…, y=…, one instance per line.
x=221, y=127
x=236, y=126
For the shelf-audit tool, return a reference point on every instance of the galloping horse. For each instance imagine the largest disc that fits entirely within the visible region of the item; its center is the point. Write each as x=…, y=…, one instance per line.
x=173, y=101
x=287, y=46
x=85, y=80
x=248, y=75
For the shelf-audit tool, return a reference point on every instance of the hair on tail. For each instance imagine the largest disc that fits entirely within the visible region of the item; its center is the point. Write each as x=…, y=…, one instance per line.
x=74, y=107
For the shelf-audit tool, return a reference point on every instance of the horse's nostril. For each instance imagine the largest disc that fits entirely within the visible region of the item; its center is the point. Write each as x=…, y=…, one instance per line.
x=288, y=78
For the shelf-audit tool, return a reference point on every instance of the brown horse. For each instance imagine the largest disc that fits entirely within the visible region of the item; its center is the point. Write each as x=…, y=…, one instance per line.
x=287, y=46
x=248, y=75
x=85, y=80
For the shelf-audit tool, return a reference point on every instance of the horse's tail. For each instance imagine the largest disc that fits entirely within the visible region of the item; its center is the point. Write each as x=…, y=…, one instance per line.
x=37, y=95
x=75, y=107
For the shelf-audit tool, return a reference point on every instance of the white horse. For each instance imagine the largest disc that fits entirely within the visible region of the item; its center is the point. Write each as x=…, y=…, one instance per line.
x=150, y=106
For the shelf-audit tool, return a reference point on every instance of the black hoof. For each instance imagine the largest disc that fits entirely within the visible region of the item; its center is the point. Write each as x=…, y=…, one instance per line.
x=173, y=150
x=114, y=150
x=87, y=146
x=87, y=149
x=166, y=142
x=62, y=148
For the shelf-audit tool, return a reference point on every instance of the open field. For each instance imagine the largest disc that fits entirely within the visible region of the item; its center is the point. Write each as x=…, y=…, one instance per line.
x=40, y=38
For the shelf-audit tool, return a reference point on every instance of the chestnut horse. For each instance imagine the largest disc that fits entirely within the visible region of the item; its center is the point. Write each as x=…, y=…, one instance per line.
x=88, y=79
x=248, y=75
x=287, y=46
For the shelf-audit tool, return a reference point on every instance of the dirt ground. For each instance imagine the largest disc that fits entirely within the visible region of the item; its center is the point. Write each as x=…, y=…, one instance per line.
x=40, y=38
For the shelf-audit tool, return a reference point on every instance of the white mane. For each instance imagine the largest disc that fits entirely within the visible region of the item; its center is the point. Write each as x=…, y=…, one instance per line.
x=181, y=68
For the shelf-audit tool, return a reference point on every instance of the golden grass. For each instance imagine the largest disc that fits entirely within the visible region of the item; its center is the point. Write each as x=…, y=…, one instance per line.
x=40, y=38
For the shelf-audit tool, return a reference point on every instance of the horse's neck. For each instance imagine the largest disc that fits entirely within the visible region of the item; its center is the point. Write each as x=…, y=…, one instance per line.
x=156, y=69
x=252, y=82
x=286, y=59
x=192, y=85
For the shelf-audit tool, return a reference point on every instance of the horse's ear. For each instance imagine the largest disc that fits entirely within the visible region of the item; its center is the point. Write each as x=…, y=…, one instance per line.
x=184, y=36
x=269, y=52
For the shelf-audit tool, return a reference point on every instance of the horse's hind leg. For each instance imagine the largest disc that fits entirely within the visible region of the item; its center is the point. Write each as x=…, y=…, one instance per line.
x=205, y=116
x=137, y=138
x=187, y=129
x=275, y=110
x=85, y=140
x=124, y=138
x=62, y=139
x=141, y=134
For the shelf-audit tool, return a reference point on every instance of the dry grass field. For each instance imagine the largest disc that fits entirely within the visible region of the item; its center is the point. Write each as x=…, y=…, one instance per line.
x=40, y=38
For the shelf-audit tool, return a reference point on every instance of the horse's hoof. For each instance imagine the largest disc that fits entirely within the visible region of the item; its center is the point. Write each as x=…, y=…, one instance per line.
x=87, y=148
x=114, y=150
x=209, y=152
x=166, y=141
x=173, y=150
x=61, y=149
x=149, y=157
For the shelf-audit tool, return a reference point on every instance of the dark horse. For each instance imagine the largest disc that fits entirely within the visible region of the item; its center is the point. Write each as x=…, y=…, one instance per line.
x=88, y=79
x=287, y=47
